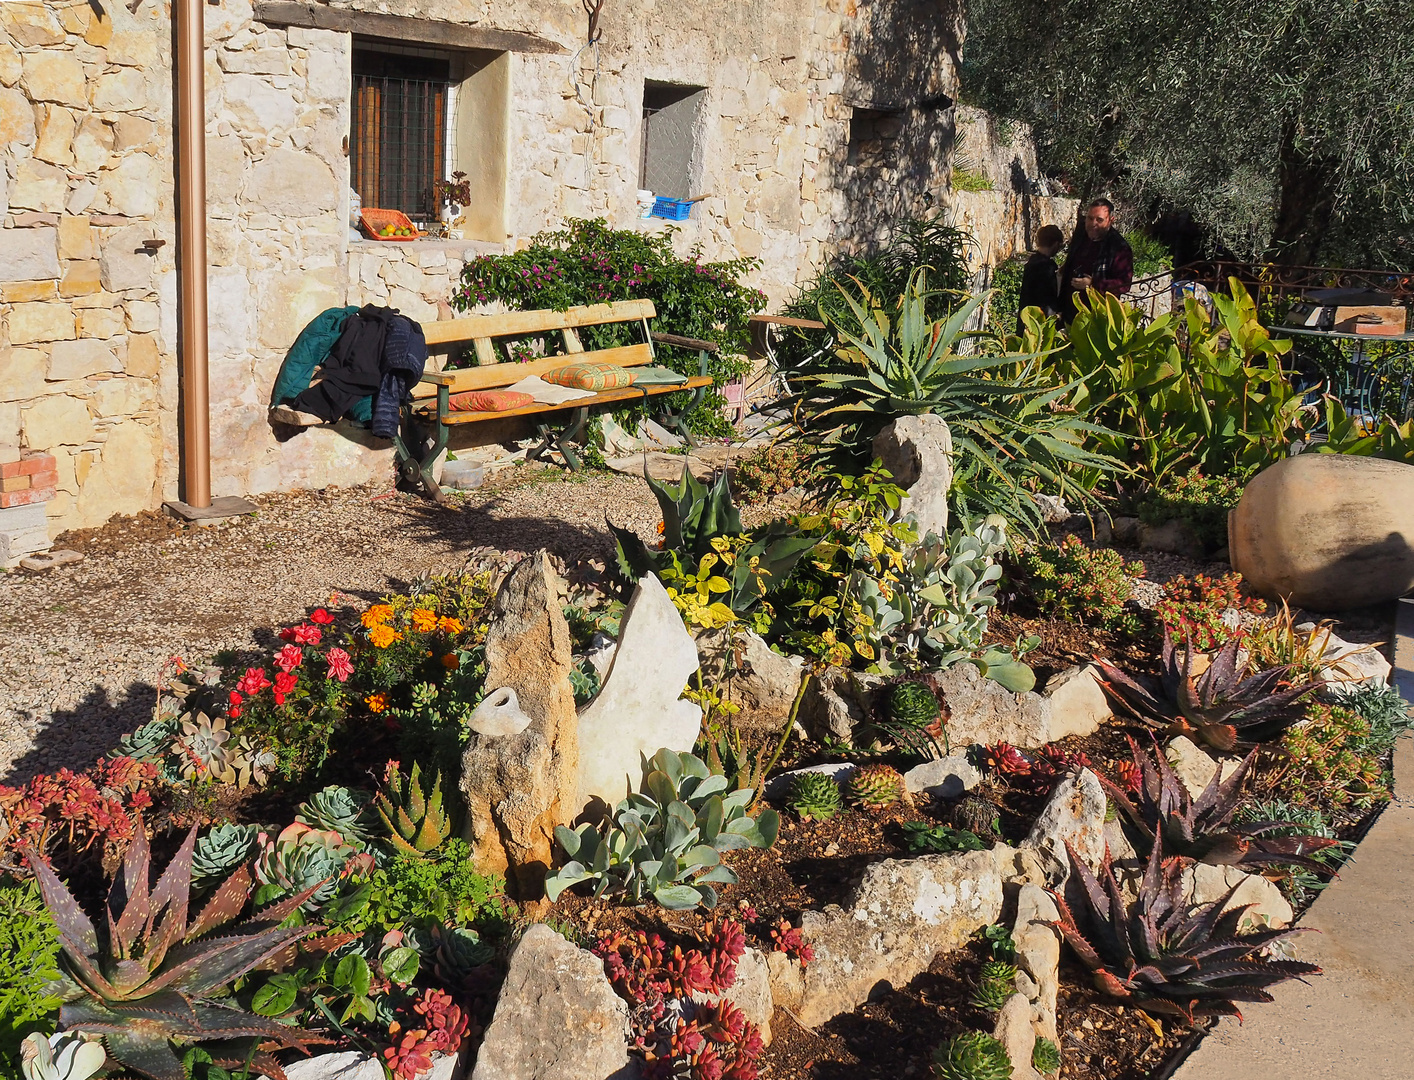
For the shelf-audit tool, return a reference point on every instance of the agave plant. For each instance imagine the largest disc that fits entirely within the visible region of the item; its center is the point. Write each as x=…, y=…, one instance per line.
x=303, y=860
x=414, y=818
x=148, y=980
x=1161, y=957
x=1202, y=828
x=337, y=809
x=1008, y=429
x=1219, y=707
x=221, y=850
x=666, y=840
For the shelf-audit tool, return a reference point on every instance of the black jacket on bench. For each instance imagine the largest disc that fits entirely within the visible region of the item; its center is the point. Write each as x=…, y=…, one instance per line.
x=362, y=363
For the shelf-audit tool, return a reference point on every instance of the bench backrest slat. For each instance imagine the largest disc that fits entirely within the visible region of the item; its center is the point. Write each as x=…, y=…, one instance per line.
x=497, y=375
x=509, y=323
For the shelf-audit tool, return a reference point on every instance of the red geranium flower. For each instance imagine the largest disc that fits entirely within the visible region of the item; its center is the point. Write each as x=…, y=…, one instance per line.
x=340, y=666
x=287, y=634
x=253, y=681
x=284, y=682
x=306, y=634
x=320, y=616
x=289, y=658
x=234, y=709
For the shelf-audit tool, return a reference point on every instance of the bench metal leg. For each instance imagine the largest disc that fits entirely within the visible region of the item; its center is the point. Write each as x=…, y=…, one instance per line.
x=561, y=440
x=413, y=435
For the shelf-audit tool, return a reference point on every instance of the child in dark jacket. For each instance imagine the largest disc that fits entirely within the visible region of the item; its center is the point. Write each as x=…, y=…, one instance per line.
x=1040, y=281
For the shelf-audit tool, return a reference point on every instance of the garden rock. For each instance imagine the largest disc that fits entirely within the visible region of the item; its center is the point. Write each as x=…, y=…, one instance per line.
x=1077, y=704
x=917, y=451
x=1195, y=766
x=1019, y=866
x=1016, y=1032
x=557, y=1018
x=980, y=710
x=836, y=701
x=778, y=787
x=1173, y=536
x=498, y=715
x=639, y=710
x=1126, y=531
x=751, y=992
x=904, y=912
x=1053, y=509
x=1075, y=813
x=347, y=1065
x=1038, y=948
x=601, y=653
x=1329, y=532
x=1357, y=665
x=945, y=778
x=519, y=787
x=1203, y=884
x=762, y=682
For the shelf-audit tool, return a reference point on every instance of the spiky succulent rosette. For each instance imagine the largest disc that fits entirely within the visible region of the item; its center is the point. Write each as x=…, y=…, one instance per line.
x=305, y=860
x=974, y=1055
x=1163, y=957
x=1202, y=828
x=976, y=813
x=147, y=980
x=914, y=704
x=221, y=850
x=413, y=816
x=814, y=796
x=875, y=787
x=1219, y=707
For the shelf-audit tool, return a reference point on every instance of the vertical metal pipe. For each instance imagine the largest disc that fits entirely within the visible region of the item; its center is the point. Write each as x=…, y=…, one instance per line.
x=191, y=250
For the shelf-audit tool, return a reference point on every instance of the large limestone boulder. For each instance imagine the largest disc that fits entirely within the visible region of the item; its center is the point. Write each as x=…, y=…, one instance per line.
x=917, y=451
x=519, y=787
x=836, y=702
x=759, y=681
x=557, y=1017
x=639, y=710
x=1038, y=949
x=1327, y=532
x=903, y=914
x=1202, y=884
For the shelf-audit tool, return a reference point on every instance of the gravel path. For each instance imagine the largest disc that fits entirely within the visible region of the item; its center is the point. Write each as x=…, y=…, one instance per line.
x=83, y=645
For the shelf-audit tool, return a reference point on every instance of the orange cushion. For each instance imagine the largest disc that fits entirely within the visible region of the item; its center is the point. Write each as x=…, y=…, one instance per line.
x=488, y=401
x=587, y=375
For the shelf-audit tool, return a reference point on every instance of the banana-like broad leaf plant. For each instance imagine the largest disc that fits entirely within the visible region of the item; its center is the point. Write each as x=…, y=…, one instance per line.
x=155, y=974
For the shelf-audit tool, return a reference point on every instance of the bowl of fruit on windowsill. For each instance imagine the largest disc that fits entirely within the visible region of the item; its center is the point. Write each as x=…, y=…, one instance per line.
x=387, y=224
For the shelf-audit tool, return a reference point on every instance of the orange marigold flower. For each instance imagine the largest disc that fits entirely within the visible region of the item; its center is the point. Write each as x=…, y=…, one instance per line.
x=450, y=661
x=376, y=701
x=377, y=615
x=423, y=620
x=383, y=636
x=662, y=527
x=449, y=625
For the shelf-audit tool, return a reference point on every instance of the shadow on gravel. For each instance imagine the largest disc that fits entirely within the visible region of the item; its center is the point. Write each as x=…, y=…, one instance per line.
x=75, y=738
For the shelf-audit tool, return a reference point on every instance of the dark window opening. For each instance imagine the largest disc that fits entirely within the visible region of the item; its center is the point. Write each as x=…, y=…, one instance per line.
x=397, y=146
x=873, y=134
x=669, y=138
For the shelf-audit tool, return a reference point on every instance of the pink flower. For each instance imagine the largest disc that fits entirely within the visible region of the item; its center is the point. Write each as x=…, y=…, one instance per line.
x=340, y=666
x=307, y=634
x=253, y=681
x=289, y=658
x=320, y=616
x=287, y=634
x=284, y=683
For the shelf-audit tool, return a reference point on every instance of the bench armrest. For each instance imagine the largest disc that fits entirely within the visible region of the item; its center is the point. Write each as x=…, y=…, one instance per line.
x=685, y=342
x=438, y=378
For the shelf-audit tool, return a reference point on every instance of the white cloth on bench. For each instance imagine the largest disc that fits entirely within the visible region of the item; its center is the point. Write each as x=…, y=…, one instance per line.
x=548, y=393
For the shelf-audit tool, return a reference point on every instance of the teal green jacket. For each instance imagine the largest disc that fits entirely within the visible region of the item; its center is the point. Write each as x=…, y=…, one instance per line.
x=308, y=352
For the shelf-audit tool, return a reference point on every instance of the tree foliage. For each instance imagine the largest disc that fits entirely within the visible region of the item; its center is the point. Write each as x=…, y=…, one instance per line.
x=1284, y=126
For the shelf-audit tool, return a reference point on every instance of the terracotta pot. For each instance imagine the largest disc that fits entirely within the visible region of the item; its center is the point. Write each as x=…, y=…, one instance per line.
x=1328, y=532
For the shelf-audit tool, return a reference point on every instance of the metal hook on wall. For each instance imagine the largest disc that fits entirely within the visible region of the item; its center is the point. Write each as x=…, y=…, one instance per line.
x=592, y=8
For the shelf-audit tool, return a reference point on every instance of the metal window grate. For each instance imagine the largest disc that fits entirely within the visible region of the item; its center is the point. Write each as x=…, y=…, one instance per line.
x=397, y=148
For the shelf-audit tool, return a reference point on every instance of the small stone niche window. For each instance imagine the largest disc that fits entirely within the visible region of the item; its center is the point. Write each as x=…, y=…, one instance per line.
x=873, y=136
x=670, y=138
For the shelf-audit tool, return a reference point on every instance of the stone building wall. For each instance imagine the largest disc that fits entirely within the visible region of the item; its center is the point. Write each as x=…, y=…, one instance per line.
x=88, y=361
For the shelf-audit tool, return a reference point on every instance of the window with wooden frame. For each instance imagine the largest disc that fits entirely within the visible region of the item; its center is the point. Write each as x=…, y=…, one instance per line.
x=398, y=139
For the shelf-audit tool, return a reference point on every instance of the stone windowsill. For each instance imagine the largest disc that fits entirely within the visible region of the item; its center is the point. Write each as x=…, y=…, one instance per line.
x=457, y=247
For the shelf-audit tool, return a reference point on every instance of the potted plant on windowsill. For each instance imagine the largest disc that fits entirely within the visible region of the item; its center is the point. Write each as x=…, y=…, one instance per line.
x=451, y=197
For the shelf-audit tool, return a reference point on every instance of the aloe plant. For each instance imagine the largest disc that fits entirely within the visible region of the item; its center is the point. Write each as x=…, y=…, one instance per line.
x=414, y=818
x=666, y=840
x=150, y=977
x=1219, y=707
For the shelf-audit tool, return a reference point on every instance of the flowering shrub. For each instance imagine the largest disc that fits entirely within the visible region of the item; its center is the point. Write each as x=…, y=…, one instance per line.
x=587, y=262
x=1071, y=581
x=1194, y=610
x=98, y=805
x=677, y=1037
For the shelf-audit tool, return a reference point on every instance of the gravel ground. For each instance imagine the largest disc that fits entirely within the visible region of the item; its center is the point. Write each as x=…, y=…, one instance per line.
x=84, y=645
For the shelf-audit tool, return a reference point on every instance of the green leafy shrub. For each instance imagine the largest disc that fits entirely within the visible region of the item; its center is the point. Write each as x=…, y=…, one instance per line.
x=1201, y=501
x=1089, y=585
x=972, y=1056
x=1193, y=611
x=814, y=796
x=967, y=180
x=1006, y=295
x=587, y=262
x=769, y=471
x=1338, y=761
x=417, y=891
x=29, y=951
x=665, y=841
x=928, y=839
x=1151, y=256
x=1346, y=434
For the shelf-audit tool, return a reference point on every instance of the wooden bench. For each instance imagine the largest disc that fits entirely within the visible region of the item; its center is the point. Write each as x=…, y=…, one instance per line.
x=427, y=420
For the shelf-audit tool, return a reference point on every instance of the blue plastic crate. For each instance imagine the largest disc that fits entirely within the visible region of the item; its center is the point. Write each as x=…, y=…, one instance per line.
x=672, y=209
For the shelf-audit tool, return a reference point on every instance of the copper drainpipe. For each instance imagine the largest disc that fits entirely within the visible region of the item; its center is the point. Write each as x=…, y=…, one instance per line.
x=191, y=250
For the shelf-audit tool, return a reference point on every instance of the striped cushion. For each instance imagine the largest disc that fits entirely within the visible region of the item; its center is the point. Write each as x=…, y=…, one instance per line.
x=587, y=375
x=488, y=401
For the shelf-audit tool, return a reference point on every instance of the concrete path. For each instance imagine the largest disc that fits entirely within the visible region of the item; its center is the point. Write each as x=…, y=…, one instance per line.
x=1355, y=1021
